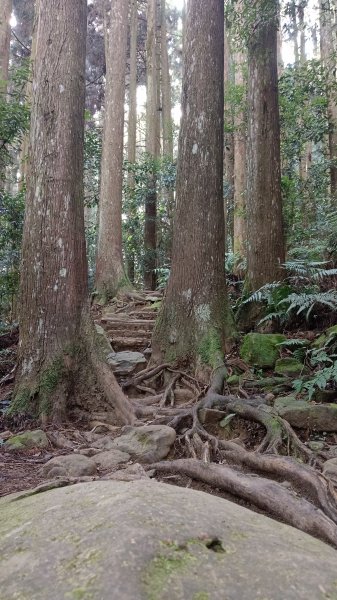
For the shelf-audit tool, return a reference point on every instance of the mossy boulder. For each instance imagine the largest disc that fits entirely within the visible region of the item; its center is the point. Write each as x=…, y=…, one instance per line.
x=27, y=440
x=261, y=349
x=288, y=366
x=304, y=415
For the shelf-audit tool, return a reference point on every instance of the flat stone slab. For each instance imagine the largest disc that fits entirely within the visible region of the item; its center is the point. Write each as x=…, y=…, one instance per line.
x=124, y=363
x=143, y=540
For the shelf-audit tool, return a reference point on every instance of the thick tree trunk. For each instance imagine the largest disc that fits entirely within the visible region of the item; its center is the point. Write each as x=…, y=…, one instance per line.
x=152, y=145
x=110, y=274
x=56, y=335
x=240, y=166
x=132, y=124
x=265, y=250
x=192, y=323
x=328, y=56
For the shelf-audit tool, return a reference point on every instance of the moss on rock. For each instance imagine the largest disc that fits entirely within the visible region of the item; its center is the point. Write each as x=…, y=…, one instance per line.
x=261, y=349
x=288, y=366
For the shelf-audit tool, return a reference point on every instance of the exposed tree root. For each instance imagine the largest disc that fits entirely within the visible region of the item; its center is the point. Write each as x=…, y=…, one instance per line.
x=261, y=493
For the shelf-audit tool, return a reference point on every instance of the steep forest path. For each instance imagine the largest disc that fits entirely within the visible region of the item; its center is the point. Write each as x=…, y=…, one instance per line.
x=208, y=435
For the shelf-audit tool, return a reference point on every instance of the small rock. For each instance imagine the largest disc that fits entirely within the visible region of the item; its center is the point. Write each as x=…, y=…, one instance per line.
x=73, y=465
x=148, y=443
x=110, y=459
x=316, y=446
x=5, y=435
x=330, y=469
x=89, y=451
x=211, y=416
x=27, y=440
x=131, y=473
x=104, y=443
x=124, y=363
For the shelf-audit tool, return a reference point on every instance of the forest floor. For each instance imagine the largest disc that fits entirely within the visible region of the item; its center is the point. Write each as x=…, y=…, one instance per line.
x=218, y=426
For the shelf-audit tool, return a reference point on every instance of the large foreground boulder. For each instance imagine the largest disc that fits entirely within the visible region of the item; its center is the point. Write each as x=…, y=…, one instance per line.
x=111, y=540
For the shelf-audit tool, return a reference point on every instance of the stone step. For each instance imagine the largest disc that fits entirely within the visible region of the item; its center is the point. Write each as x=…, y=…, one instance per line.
x=126, y=343
x=132, y=324
x=134, y=333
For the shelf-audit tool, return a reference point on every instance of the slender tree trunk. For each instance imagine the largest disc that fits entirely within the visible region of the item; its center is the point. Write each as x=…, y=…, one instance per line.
x=228, y=142
x=5, y=38
x=192, y=323
x=132, y=124
x=265, y=251
x=240, y=165
x=110, y=274
x=56, y=335
x=152, y=145
x=328, y=56
x=167, y=122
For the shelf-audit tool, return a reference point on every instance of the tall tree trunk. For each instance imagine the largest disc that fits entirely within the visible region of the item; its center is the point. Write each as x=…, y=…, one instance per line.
x=192, y=322
x=328, y=56
x=152, y=145
x=228, y=142
x=132, y=124
x=240, y=166
x=167, y=122
x=56, y=336
x=110, y=274
x=5, y=38
x=265, y=251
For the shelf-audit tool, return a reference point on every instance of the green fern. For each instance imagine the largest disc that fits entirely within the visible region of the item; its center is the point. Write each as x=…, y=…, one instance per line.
x=306, y=302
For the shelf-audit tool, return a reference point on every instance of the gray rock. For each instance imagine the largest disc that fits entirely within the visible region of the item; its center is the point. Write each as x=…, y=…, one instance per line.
x=26, y=440
x=143, y=540
x=110, y=459
x=330, y=469
x=130, y=473
x=89, y=451
x=104, y=443
x=148, y=443
x=124, y=363
x=73, y=465
x=302, y=414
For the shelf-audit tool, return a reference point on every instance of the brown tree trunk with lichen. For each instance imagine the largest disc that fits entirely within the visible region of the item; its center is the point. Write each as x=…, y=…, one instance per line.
x=265, y=248
x=152, y=145
x=56, y=334
x=192, y=323
x=110, y=275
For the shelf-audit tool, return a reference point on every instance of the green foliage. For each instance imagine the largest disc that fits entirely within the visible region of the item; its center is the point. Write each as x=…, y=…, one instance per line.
x=280, y=300
x=323, y=361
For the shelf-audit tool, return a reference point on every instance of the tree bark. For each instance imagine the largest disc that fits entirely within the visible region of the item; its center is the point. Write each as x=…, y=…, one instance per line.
x=5, y=38
x=110, y=274
x=167, y=122
x=228, y=143
x=152, y=145
x=240, y=166
x=193, y=319
x=132, y=124
x=328, y=56
x=265, y=249
x=57, y=337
